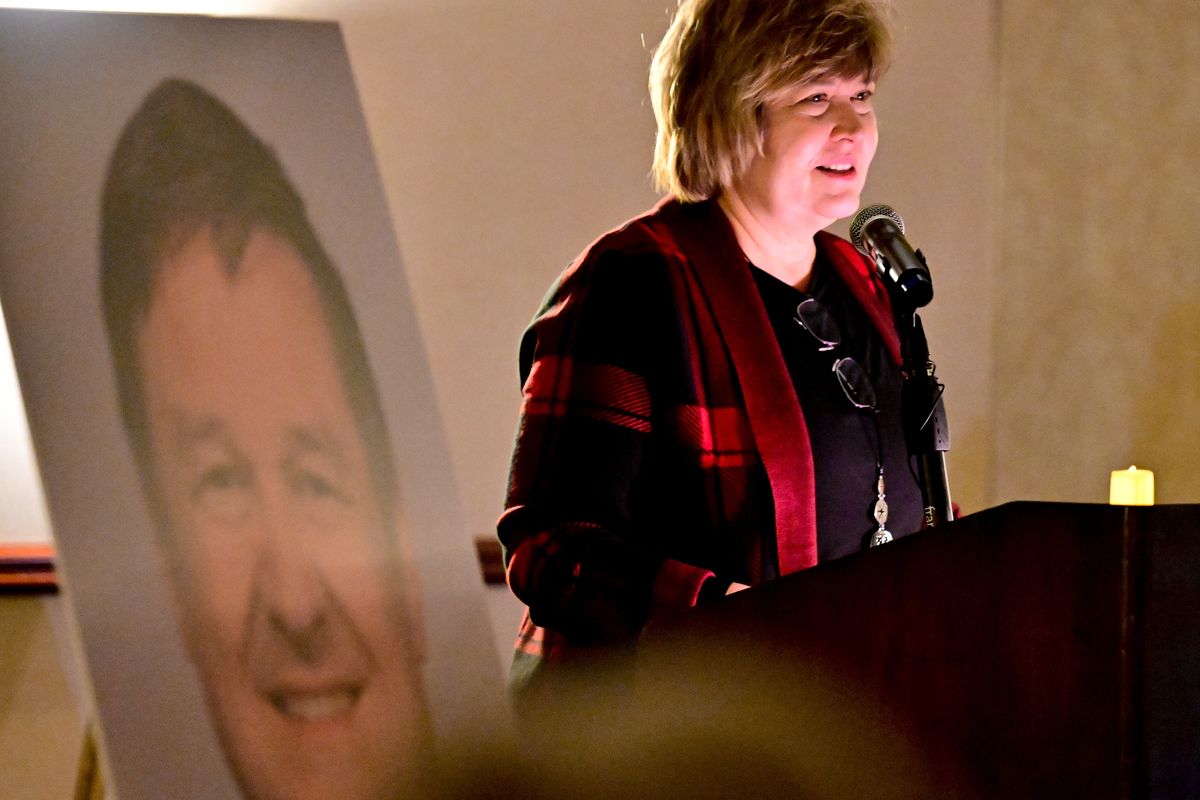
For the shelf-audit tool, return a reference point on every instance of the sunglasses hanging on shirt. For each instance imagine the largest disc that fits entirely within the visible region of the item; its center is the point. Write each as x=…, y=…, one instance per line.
x=859, y=390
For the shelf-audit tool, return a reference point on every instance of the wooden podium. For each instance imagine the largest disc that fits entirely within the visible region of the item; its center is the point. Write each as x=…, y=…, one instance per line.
x=1032, y=650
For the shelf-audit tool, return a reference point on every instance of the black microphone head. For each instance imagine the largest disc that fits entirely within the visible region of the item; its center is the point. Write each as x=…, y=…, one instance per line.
x=865, y=216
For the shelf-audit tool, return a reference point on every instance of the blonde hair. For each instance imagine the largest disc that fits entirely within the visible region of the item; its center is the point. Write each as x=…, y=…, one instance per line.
x=722, y=61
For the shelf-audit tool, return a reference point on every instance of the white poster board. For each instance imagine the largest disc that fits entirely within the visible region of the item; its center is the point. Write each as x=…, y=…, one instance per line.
x=69, y=84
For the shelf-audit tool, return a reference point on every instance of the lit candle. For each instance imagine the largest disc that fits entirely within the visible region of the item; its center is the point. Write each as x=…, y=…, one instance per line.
x=1131, y=487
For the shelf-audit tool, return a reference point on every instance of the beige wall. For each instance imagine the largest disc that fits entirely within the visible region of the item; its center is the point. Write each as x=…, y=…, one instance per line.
x=509, y=135
x=41, y=724
x=1097, y=362
x=937, y=165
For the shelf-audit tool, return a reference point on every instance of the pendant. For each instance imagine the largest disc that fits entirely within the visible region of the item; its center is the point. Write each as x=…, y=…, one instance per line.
x=880, y=512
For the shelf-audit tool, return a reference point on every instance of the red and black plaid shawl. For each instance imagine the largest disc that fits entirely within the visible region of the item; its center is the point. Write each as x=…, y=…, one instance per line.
x=661, y=441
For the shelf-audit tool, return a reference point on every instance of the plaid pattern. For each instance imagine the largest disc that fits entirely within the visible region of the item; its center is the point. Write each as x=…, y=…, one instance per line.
x=638, y=472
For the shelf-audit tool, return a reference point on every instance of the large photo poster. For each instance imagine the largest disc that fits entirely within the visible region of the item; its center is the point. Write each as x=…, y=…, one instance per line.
x=231, y=410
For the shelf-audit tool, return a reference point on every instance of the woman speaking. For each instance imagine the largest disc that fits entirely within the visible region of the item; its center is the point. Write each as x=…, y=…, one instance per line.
x=712, y=390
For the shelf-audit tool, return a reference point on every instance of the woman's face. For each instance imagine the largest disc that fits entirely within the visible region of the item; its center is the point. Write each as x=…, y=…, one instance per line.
x=819, y=142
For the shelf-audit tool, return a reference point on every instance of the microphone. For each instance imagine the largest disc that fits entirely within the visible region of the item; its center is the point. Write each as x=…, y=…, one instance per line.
x=878, y=233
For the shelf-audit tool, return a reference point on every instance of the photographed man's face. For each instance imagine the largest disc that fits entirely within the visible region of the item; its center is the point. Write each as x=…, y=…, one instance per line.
x=288, y=585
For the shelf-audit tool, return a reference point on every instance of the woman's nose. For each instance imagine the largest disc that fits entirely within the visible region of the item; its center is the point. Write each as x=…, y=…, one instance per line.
x=847, y=121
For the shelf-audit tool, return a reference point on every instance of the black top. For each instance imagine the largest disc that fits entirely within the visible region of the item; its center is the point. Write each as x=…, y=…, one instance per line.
x=843, y=438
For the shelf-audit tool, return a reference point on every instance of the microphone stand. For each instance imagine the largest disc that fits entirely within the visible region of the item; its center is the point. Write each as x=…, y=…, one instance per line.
x=923, y=412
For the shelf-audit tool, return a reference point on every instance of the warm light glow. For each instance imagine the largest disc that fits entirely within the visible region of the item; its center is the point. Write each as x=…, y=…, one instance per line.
x=1131, y=487
x=22, y=507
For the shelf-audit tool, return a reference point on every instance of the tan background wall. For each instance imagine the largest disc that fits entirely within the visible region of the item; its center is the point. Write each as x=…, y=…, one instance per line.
x=41, y=701
x=1098, y=298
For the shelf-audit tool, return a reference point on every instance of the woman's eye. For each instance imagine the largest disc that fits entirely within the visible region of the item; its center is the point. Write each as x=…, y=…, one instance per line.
x=815, y=99
x=863, y=97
